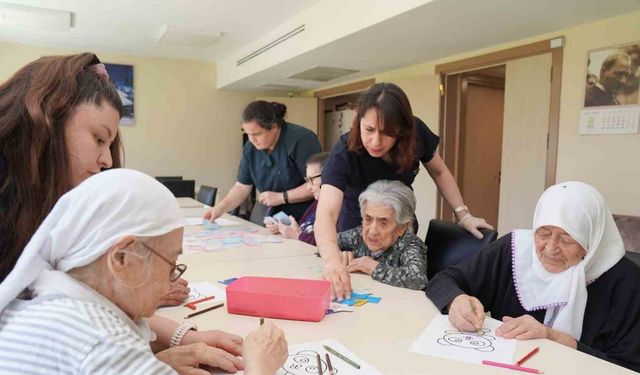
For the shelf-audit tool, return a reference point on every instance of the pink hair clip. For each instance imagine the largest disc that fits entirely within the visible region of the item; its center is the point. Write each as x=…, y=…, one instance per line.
x=100, y=70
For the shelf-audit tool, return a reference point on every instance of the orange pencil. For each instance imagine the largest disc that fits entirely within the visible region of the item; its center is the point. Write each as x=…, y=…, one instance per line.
x=526, y=357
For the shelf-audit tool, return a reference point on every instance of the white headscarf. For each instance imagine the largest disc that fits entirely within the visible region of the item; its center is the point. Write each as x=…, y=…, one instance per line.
x=82, y=226
x=579, y=209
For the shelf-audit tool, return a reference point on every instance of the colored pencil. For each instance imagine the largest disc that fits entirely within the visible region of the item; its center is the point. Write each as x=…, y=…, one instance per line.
x=329, y=363
x=319, y=364
x=529, y=355
x=192, y=304
x=204, y=311
x=512, y=367
x=342, y=357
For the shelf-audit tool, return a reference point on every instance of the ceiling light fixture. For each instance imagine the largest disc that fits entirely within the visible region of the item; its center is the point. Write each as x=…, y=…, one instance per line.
x=181, y=36
x=26, y=16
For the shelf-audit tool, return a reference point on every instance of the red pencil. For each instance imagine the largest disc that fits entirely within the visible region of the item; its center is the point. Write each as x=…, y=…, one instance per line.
x=192, y=304
x=526, y=357
x=512, y=367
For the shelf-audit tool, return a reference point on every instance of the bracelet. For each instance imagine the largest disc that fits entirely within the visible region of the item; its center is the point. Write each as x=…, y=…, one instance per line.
x=180, y=332
x=460, y=209
x=285, y=197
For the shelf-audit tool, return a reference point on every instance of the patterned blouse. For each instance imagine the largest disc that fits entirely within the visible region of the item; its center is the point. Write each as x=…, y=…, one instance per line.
x=404, y=264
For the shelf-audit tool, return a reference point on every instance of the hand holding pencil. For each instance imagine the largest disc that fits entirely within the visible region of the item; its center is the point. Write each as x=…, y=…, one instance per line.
x=466, y=313
x=265, y=349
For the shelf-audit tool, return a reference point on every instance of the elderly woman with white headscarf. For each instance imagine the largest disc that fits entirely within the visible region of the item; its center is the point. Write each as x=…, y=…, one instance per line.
x=98, y=265
x=384, y=246
x=566, y=280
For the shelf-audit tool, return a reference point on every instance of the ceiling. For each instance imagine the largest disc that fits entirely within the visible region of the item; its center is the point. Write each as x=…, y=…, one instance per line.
x=132, y=27
x=437, y=29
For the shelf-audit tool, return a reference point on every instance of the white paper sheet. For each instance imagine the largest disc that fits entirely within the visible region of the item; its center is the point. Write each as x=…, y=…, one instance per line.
x=302, y=360
x=441, y=339
x=201, y=290
x=225, y=222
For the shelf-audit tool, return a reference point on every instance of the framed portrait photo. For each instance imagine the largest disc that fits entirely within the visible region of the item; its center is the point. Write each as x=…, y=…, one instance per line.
x=612, y=76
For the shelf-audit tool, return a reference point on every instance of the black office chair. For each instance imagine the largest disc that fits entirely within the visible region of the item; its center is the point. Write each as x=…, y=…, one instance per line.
x=182, y=188
x=448, y=244
x=207, y=195
x=635, y=257
x=169, y=178
x=258, y=213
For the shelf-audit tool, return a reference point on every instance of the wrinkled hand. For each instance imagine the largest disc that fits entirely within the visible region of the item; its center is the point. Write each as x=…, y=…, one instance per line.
x=186, y=359
x=336, y=273
x=466, y=313
x=271, y=227
x=212, y=214
x=228, y=342
x=347, y=257
x=471, y=224
x=271, y=198
x=362, y=264
x=289, y=231
x=265, y=350
x=178, y=292
x=524, y=327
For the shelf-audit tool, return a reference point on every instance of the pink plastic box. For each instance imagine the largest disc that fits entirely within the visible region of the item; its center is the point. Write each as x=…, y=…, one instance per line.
x=271, y=297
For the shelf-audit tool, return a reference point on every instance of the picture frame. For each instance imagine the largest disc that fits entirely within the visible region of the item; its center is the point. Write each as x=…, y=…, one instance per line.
x=122, y=77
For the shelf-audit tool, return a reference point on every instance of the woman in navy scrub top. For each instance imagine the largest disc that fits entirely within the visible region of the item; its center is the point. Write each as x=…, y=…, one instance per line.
x=386, y=142
x=274, y=160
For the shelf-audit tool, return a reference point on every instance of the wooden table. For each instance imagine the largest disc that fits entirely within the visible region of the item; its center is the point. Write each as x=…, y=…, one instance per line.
x=379, y=333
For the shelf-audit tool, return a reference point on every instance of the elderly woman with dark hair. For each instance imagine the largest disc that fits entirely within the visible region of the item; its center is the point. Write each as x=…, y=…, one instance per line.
x=384, y=246
x=78, y=298
x=566, y=280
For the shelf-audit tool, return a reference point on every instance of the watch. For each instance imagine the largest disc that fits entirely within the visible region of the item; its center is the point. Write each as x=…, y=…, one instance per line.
x=285, y=196
x=180, y=332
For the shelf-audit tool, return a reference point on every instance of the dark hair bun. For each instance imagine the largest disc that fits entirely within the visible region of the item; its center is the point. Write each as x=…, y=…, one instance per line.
x=280, y=109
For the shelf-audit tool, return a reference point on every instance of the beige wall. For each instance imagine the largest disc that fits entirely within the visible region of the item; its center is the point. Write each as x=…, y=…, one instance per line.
x=183, y=125
x=609, y=162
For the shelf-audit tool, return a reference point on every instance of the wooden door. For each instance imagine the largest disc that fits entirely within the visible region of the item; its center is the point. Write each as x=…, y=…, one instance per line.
x=481, y=141
x=524, y=145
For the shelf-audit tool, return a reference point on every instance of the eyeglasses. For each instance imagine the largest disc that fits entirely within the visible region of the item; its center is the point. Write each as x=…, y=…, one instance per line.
x=310, y=179
x=176, y=269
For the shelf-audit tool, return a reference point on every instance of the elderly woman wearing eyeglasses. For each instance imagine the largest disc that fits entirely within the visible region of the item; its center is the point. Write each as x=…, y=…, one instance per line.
x=384, y=246
x=304, y=230
x=567, y=280
x=77, y=300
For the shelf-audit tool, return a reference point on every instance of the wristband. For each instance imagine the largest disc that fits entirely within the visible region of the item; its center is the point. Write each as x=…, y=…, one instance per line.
x=180, y=332
x=460, y=209
x=285, y=197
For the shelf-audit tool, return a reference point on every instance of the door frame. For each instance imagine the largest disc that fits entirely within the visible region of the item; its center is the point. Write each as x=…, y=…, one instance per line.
x=449, y=124
x=322, y=95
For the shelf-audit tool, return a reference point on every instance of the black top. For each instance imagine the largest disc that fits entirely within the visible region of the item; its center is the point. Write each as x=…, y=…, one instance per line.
x=282, y=169
x=352, y=172
x=611, y=328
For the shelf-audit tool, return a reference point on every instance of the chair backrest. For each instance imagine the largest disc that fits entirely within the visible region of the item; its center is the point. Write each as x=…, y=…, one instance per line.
x=207, y=195
x=258, y=213
x=635, y=257
x=168, y=178
x=182, y=188
x=448, y=245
